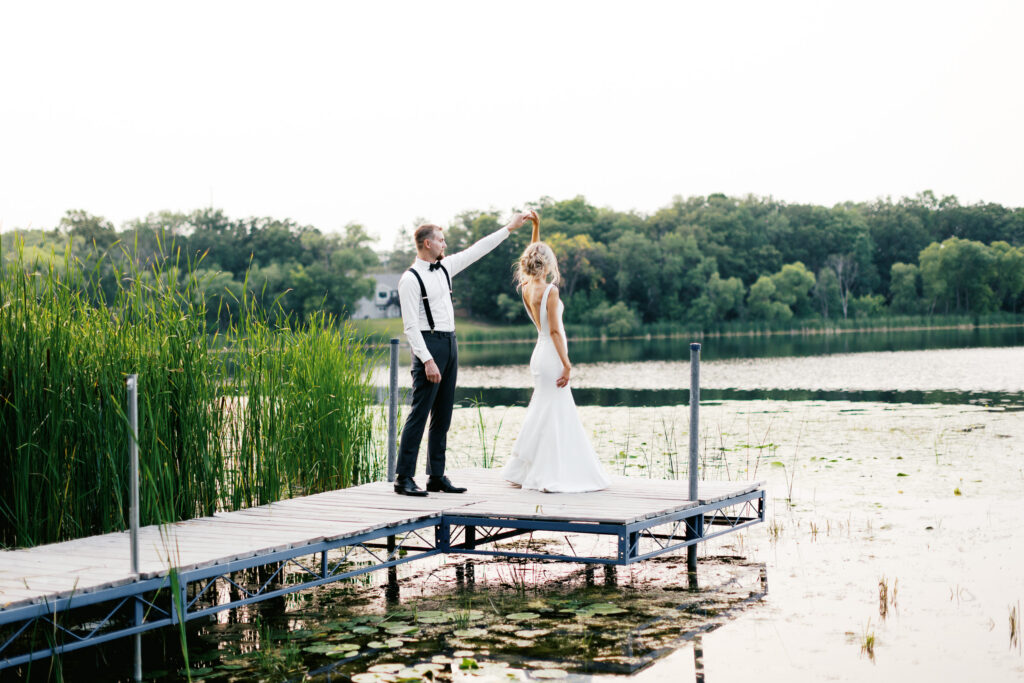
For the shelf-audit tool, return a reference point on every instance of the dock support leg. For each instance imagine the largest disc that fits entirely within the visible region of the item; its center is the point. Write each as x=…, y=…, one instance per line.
x=470, y=537
x=442, y=537
x=611, y=578
x=391, y=593
x=628, y=546
x=323, y=564
x=138, y=641
x=694, y=530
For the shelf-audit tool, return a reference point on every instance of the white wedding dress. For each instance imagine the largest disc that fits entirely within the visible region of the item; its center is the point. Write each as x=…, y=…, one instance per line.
x=552, y=452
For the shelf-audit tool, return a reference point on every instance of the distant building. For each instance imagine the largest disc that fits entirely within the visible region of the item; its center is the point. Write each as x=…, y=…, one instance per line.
x=384, y=302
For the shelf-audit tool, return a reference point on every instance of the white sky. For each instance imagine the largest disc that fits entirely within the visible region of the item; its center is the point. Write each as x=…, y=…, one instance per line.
x=383, y=112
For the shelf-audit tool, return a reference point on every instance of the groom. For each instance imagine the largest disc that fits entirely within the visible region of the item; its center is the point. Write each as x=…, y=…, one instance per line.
x=428, y=316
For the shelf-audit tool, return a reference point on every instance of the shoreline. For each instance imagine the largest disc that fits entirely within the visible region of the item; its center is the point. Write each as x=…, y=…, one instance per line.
x=792, y=332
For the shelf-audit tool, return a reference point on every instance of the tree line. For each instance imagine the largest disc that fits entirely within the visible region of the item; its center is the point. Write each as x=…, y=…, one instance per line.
x=703, y=261
x=275, y=264
x=699, y=261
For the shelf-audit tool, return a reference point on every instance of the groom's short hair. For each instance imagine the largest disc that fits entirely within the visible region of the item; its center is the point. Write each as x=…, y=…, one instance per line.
x=425, y=232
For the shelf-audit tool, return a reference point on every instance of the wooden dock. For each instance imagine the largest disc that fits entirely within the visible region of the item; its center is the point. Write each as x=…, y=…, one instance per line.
x=645, y=517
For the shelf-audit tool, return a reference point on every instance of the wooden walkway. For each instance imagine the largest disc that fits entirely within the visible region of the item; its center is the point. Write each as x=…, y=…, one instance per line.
x=38, y=583
x=75, y=567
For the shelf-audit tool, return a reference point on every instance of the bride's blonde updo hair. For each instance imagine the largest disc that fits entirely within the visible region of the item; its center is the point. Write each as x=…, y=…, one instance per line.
x=538, y=263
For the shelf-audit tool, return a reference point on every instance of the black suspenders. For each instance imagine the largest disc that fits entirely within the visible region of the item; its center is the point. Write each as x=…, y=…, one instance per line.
x=423, y=293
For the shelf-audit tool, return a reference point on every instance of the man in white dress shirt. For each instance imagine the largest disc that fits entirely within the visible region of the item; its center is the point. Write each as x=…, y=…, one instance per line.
x=428, y=317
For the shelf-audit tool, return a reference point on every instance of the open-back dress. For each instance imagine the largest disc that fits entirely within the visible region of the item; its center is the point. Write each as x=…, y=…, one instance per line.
x=552, y=452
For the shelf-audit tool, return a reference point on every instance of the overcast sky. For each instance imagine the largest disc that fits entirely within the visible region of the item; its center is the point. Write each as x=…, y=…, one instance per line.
x=383, y=112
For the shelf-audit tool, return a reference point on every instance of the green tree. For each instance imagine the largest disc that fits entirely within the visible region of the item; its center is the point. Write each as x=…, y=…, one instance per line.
x=868, y=306
x=826, y=292
x=721, y=300
x=88, y=230
x=792, y=285
x=958, y=276
x=905, y=288
x=1008, y=280
x=762, y=303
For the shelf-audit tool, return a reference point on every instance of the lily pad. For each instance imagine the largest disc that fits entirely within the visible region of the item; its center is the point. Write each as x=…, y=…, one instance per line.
x=321, y=648
x=468, y=615
x=364, y=630
x=468, y=663
x=429, y=613
x=550, y=674
x=299, y=634
x=389, y=644
x=522, y=616
x=470, y=632
x=424, y=667
x=434, y=619
x=401, y=629
x=350, y=647
x=372, y=678
x=532, y=633
x=386, y=668
x=600, y=609
x=342, y=636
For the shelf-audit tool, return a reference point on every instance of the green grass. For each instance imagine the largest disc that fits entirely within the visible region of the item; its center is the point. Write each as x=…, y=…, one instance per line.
x=270, y=409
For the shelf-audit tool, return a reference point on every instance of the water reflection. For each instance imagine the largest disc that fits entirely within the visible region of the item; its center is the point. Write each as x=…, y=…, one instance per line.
x=759, y=346
x=597, y=621
x=635, y=398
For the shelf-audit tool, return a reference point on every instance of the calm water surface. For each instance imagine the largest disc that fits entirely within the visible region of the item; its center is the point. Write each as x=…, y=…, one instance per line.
x=890, y=459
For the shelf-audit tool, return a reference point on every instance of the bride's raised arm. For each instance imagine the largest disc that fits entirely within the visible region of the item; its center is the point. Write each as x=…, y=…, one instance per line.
x=535, y=219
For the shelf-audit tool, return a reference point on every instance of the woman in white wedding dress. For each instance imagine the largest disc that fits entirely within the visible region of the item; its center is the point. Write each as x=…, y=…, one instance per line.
x=552, y=452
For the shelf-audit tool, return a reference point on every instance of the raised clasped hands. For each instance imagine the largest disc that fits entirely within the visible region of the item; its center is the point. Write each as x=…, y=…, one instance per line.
x=563, y=379
x=519, y=218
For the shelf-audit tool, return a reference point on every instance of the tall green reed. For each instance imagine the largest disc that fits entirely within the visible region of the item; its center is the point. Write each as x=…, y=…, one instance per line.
x=273, y=409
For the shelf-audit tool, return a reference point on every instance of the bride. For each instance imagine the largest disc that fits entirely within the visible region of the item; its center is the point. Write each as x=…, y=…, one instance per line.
x=552, y=452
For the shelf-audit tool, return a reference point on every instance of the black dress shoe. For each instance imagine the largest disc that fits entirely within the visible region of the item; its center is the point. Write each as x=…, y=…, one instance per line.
x=442, y=485
x=406, y=486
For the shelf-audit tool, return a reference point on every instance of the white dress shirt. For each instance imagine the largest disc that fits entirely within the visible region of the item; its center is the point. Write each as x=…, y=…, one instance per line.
x=414, y=316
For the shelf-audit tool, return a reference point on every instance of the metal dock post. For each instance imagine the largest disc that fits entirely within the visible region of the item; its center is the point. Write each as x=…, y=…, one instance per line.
x=133, y=510
x=692, y=526
x=393, y=411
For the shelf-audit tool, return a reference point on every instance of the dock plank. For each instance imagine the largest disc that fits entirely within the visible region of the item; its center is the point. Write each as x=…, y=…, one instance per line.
x=82, y=565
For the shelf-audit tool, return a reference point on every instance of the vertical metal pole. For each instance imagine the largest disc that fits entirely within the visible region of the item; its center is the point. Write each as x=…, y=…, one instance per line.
x=393, y=412
x=393, y=446
x=133, y=510
x=691, y=551
x=133, y=473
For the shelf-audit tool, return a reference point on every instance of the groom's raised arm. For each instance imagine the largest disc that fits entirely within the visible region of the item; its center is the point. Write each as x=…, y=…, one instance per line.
x=473, y=253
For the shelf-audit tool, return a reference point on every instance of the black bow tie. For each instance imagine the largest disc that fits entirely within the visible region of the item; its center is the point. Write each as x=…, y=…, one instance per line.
x=435, y=265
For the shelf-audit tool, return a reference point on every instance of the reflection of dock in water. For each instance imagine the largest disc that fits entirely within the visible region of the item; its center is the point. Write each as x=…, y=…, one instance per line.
x=659, y=609
x=82, y=592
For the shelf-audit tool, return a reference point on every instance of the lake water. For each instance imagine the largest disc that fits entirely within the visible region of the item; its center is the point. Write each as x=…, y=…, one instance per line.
x=892, y=549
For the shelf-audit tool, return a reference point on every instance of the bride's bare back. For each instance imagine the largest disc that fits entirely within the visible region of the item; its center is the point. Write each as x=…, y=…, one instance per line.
x=533, y=293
